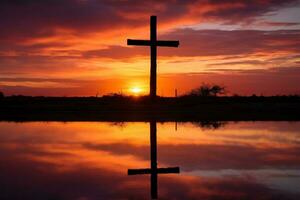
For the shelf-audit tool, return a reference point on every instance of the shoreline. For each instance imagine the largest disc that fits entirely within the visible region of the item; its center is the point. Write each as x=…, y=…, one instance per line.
x=141, y=109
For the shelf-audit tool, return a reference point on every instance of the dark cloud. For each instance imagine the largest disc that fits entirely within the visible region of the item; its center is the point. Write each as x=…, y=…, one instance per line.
x=213, y=43
x=211, y=156
x=117, y=52
x=19, y=19
x=287, y=72
x=38, y=179
x=248, y=62
x=42, y=18
x=33, y=64
x=42, y=80
x=234, y=11
x=237, y=42
x=281, y=23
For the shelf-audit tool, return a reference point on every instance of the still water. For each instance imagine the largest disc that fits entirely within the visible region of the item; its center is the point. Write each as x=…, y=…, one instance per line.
x=140, y=160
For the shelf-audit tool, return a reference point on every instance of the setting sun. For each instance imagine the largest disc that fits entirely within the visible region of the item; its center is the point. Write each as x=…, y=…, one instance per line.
x=136, y=90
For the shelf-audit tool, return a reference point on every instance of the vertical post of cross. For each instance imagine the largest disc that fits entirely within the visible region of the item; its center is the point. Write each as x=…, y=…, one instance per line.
x=153, y=43
x=153, y=53
x=154, y=170
x=153, y=155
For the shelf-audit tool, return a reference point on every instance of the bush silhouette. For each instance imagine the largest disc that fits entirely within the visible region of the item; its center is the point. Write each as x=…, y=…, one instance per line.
x=206, y=90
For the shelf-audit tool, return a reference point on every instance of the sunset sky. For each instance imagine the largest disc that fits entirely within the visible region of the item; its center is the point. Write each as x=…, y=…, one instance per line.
x=78, y=47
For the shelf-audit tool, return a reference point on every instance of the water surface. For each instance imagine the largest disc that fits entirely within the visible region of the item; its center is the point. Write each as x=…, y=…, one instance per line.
x=90, y=160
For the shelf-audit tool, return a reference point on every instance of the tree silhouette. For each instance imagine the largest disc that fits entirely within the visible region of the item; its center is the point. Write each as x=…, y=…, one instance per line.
x=1, y=95
x=206, y=90
x=210, y=125
x=216, y=89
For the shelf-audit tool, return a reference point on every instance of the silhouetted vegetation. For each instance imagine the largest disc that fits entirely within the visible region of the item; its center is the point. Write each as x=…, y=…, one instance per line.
x=210, y=124
x=1, y=95
x=207, y=90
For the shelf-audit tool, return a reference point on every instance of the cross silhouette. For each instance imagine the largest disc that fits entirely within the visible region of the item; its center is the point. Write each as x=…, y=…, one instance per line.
x=153, y=171
x=153, y=43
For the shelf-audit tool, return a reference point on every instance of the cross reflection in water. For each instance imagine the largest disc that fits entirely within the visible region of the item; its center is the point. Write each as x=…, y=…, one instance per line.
x=153, y=171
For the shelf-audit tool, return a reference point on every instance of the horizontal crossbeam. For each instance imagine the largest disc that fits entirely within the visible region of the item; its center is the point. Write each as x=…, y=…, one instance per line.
x=139, y=171
x=138, y=42
x=160, y=43
x=163, y=43
x=149, y=171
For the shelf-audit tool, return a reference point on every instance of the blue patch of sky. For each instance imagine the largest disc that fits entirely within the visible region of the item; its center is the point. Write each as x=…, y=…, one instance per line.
x=283, y=15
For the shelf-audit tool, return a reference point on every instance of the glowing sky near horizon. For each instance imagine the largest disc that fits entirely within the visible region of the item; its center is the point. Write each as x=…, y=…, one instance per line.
x=78, y=47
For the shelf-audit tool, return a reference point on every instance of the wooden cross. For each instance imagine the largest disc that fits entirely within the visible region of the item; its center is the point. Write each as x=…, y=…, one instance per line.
x=153, y=43
x=153, y=171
